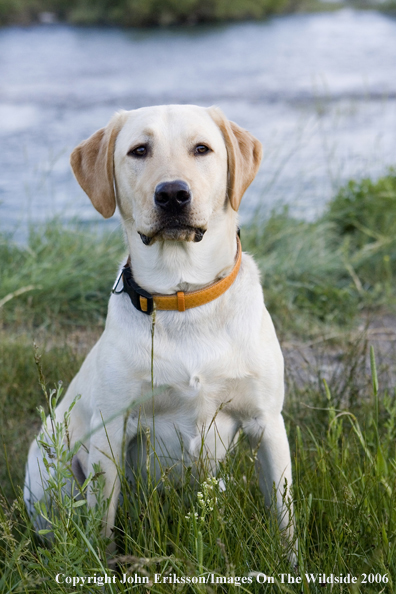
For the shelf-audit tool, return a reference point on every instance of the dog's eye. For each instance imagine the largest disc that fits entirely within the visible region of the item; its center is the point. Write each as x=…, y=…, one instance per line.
x=139, y=151
x=201, y=149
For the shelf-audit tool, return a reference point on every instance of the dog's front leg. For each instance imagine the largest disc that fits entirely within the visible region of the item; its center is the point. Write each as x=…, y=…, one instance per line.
x=267, y=435
x=105, y=451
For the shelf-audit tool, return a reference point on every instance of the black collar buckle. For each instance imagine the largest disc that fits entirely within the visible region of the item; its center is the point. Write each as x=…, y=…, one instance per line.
x=135, y=292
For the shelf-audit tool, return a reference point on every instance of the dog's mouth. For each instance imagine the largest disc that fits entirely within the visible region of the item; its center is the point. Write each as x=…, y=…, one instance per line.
x=174, y=232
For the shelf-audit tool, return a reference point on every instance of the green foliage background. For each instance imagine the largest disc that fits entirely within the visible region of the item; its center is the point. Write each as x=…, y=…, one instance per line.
x=134, y=13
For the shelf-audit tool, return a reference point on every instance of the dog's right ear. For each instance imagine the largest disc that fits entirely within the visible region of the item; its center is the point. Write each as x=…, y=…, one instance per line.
x=244, y=153
x=92, y=162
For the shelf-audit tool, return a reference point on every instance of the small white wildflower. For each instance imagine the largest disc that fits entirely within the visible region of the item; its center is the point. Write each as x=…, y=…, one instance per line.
x=206, y=499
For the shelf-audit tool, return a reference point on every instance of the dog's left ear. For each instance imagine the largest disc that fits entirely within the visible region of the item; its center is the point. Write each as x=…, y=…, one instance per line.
x=92, y=162
x=244, y=153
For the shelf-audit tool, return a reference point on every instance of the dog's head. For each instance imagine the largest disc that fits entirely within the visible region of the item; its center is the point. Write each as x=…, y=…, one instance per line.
x=170, y=168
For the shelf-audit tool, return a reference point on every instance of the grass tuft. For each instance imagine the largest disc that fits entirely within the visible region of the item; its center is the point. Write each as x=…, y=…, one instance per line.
x=325, y=272
x=62, y=274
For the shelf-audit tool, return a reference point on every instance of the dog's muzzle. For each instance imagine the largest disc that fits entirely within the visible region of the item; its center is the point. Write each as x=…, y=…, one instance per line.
x=172, y=200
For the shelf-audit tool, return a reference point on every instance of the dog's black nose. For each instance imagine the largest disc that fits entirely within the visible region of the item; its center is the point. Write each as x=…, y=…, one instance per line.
x=172, y=196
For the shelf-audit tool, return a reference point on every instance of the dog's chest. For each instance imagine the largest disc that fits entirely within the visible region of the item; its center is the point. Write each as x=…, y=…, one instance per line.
x=192, y=381
x=189, y=357
x=196, y=375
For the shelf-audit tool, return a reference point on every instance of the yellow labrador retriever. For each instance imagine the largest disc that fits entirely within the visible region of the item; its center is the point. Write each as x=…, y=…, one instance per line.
x=177, y=174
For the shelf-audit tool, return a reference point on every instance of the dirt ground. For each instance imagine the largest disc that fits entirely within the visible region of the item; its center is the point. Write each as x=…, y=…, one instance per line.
x=338, y=356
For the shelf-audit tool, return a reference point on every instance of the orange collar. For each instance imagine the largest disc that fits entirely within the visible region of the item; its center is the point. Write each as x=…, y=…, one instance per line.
x=145, y=302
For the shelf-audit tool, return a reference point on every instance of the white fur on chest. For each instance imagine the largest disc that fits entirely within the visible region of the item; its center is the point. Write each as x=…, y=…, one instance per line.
x=195, y=372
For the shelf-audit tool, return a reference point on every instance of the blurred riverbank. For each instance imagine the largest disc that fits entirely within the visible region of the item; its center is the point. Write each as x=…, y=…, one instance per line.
x=163, y=13
x=318, y=90
x=137, y=13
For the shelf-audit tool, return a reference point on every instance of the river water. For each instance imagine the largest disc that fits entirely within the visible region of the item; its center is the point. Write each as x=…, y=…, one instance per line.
x=319, y=91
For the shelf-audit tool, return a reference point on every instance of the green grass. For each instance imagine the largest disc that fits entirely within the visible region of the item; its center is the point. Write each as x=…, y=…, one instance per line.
x=20, y=395
x=344, y=498
x=317, y=277
x=62, y=274
x=326, y=272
